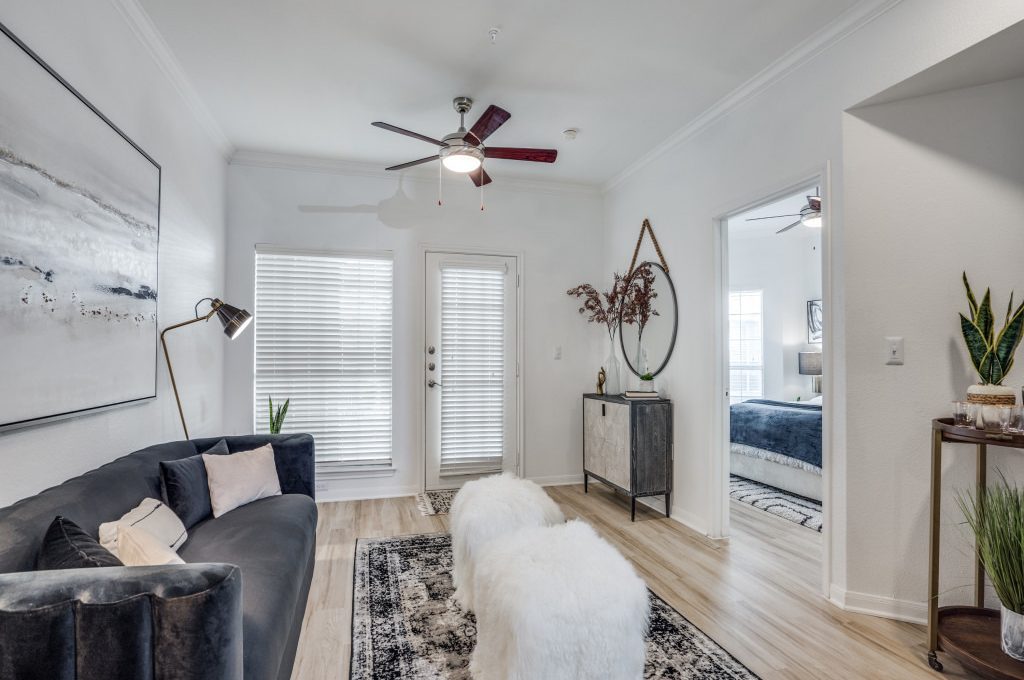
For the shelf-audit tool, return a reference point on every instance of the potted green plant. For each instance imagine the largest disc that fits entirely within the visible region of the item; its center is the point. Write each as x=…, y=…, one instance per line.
x=277, y=417
x=647, y=383
x=996, y=516
x=991, y=353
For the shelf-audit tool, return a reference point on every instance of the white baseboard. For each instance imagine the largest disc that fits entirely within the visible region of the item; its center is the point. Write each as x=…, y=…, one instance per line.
x=877, y=605
x=557, y=480
x=349, y=494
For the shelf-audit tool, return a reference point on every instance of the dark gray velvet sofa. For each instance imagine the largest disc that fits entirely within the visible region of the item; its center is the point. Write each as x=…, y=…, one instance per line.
x=234, y=611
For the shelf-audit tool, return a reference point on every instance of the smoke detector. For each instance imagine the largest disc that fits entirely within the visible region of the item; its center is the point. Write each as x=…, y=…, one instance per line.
x=570, y=133
x=493, y=34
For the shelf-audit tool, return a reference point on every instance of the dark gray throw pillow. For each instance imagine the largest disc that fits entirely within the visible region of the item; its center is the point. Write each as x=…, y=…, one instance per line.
x=67, y=546
x=186, y=487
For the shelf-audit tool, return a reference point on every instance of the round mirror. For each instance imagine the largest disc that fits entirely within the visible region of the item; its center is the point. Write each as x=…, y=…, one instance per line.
x=648, y=319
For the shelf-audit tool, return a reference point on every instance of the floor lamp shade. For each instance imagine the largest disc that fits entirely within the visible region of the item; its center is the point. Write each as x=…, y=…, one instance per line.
x=233, y=319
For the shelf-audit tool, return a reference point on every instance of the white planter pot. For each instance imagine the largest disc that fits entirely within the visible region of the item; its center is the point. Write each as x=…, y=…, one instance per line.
x=989, y=397
x=1012, y=625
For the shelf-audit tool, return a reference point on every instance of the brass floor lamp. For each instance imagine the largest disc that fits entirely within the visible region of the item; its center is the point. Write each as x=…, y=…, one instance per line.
x=233, y=319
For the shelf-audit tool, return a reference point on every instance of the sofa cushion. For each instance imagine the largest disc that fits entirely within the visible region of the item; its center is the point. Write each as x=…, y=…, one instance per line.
x=185, y=485
x=272, y=541
x=95, y=497
x=66, y=546
x=241, y=478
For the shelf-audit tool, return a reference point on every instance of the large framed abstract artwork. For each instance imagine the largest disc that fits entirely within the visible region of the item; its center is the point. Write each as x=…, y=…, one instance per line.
x=79, y=241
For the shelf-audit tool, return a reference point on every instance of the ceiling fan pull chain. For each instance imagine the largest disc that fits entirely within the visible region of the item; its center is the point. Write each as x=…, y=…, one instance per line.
x=439, y=176
x=481, y=187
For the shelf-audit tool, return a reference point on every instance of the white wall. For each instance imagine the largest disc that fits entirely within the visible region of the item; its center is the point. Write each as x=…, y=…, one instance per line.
x=787, y=269
x=93, y=47
x=956, y=161
x=776, y=137
x=556, y=230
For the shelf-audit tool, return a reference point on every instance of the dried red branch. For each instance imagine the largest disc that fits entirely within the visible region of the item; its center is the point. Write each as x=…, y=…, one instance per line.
x=638, y=298
x=602, y=308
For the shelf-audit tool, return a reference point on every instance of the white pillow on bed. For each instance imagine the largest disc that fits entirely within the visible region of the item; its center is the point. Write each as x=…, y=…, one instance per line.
x=815, y=400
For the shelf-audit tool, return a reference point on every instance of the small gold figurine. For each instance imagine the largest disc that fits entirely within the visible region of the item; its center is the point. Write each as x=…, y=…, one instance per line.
x=601, y=378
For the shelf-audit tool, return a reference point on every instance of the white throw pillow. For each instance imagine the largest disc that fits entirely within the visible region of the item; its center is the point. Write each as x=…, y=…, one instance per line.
x=139, y=548
x=153, y=517
x=241, y=478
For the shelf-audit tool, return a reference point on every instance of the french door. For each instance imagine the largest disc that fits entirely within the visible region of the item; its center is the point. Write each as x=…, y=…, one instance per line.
x=470, y=367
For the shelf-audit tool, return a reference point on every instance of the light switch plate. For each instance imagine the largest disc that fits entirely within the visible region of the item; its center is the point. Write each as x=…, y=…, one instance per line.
x=894, y=351
x=557, y=354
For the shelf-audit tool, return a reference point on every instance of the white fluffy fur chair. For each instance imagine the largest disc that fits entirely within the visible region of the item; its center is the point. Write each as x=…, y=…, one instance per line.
x=558, y=603
x=488, y=508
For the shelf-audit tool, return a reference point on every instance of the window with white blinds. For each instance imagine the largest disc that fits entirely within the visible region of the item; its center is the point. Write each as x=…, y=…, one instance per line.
x=472, y=370
x=323, y=339
x=746, y=346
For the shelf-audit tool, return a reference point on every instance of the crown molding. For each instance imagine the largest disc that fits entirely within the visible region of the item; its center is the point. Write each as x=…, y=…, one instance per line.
x=335, y=166
x=844, y=25
x=140, y=23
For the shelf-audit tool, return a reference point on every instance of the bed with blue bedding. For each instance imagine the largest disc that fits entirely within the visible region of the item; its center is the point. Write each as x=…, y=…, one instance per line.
x=777, y=443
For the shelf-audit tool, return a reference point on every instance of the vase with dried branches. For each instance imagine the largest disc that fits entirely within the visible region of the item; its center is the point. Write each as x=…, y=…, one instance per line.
x=603, y=308
x=638, y=308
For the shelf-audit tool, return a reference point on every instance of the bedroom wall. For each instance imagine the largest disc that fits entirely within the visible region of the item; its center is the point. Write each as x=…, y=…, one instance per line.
x=555, y=227
x=92, y=45
x=787, y=269
x=772, y=136
x=965, y=194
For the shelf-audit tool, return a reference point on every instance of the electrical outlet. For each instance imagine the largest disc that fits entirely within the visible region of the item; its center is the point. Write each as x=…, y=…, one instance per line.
x=894, y=351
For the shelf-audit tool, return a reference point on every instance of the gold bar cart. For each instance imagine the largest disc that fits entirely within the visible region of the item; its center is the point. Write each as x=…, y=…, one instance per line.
x=969, y=634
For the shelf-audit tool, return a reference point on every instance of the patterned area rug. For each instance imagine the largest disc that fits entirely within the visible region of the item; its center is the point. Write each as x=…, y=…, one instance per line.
x=435, y=502
x=406, y=624
x=796, y=509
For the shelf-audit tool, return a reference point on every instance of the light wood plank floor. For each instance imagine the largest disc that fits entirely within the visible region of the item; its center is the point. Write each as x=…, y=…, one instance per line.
x=756, y=595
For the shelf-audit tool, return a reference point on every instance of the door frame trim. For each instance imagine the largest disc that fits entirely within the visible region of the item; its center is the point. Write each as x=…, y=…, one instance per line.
x=421, y=391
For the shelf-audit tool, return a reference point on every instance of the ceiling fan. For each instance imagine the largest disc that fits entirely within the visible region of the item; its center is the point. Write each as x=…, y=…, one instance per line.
x=464, y=151
x=810, y=214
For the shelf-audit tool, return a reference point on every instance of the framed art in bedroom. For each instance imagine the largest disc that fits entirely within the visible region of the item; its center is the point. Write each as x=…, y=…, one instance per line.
x=79, y=244
x=814, y=322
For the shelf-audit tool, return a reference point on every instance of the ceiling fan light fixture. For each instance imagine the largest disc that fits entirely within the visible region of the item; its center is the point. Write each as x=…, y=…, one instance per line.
x=461, y=162
x=811, y=218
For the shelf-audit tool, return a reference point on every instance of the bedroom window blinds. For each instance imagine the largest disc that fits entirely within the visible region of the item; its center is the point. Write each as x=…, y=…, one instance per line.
x=746, y=346
x=323, y=339
x=473, y=370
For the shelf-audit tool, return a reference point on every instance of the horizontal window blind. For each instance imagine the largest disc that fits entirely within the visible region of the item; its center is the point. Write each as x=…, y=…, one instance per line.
x=472, y=370
x=323, y=339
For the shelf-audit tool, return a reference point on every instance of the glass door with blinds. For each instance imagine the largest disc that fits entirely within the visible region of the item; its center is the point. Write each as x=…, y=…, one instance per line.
x=470, y=367
x=323, y=339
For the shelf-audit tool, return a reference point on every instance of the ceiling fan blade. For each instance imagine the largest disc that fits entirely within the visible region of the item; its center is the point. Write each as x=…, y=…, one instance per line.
x=771, y=217
x=479, y=176
x=788, y=228
x=408, y=133
x=403, y=166
x=517, y=154
x=491, y=119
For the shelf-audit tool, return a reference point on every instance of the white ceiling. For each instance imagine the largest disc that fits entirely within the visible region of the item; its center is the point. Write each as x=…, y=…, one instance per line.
x=307, y=77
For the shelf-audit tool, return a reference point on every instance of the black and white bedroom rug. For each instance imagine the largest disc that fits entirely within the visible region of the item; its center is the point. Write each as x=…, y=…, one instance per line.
x=435, y=502
x=406, y=624
x=796, y=509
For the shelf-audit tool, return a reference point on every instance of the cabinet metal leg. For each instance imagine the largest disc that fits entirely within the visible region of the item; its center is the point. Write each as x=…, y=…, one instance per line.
x=668, y=503
x=632, y=511
x=586, y=488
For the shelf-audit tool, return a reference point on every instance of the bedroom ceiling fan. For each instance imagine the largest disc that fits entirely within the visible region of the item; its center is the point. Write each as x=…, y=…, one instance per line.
x=810, y=214
x=463, y=151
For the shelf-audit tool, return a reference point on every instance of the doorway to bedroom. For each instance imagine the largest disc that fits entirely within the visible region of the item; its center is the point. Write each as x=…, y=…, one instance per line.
x=773, y=356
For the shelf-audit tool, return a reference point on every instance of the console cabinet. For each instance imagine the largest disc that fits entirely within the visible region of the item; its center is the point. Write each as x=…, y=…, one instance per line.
x=627, y=444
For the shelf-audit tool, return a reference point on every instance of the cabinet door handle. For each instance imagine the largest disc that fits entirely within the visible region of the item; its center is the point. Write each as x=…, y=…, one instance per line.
x=602, y=409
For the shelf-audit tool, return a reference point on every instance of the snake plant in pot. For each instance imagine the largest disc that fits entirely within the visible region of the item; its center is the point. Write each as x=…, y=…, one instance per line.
x=991, y=352
x=996, y=516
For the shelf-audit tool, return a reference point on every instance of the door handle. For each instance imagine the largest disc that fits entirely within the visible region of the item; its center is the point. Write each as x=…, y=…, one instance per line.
x=434, y=383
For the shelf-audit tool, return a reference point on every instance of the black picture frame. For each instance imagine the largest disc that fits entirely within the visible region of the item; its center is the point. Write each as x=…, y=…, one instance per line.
x=815, y=322
x=104, y=120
